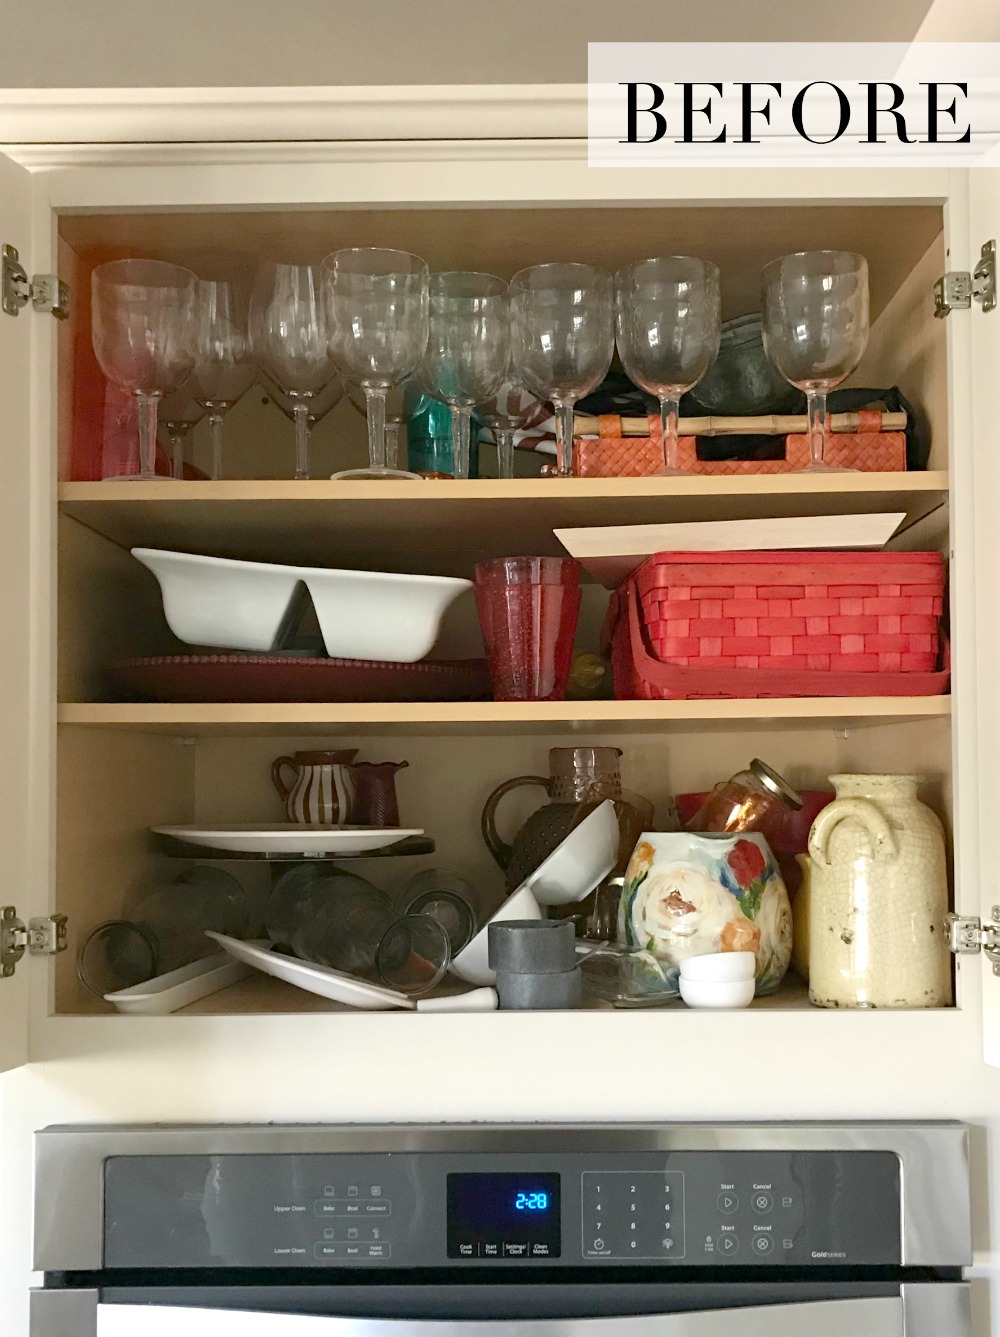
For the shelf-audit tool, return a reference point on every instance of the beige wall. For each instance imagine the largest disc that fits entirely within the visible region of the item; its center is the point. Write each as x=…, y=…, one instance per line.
x=210, y=43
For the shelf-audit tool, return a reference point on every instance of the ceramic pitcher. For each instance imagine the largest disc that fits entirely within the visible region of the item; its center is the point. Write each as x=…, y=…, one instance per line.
x=688, y=894
x=878, y=898
x=321, y=789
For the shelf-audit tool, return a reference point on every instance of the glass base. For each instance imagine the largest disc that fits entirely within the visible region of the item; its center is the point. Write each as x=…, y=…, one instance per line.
x=141, y=478
x=371, y=472
x=825, y=469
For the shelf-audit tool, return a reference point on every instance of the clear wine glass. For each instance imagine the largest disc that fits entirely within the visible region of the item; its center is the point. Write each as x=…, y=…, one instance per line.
x=468, y=349
x=376, y=303
x=668, y=318
x=316, y=407
x=395, y=416
x=815, y=327
x=224, y=367
x=562, y=339
x=513, y=408
x=179, y=415
x=290, y=339
x=144, y=337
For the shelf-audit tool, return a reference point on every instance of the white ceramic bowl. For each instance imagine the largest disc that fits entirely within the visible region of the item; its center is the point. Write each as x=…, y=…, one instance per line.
x=374, y=615
x=579, y=863
x=215, y=601
x=472, y=963
x=719, y=967
x=699, y=993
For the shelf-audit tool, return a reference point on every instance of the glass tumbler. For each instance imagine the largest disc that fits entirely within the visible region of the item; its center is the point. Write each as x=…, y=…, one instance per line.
x=343, y=919
x=528, y=609
x=413, y=954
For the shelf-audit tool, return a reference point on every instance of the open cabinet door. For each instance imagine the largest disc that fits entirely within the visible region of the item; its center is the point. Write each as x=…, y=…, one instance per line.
x=984, y=332
x=15, y=444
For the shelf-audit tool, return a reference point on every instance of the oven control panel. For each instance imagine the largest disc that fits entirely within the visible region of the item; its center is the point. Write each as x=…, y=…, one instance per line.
x=486, y=1210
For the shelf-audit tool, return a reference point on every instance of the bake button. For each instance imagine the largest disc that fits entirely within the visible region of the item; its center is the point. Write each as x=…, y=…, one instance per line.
x=762, y=1203
x=762, y=1244
x=324, y=1251
x=727, y=1203
x=516, y=1250
x=727, y=1244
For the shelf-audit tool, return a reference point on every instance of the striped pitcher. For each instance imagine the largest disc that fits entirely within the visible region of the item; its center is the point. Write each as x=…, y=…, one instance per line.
x=321, y=789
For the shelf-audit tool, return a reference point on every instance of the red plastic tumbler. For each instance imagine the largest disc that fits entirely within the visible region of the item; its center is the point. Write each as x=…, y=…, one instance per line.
x=528, y=609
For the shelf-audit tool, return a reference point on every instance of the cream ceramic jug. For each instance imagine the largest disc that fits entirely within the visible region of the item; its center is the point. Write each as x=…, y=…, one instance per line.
x=878, y=896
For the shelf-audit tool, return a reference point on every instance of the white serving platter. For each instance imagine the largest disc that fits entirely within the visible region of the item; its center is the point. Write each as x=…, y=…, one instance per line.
x=292, y=838
x=321, y=980
x=178, y=988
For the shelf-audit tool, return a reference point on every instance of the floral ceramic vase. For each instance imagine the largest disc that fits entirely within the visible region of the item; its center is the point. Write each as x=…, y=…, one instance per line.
x=688, y=895
x=878, y=898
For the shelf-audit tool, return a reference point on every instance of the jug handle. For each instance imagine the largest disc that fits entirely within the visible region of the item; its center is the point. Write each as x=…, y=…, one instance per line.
x=861, y=810
x=279, y=784
x=500, y=850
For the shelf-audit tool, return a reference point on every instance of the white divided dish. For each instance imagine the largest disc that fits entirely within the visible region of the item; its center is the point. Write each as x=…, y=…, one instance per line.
x=472, y=963
x=706, y=994
x=238, y=605
x=719, y=967
x=291, y=838
x=179, y=988
x=321, y=980
x=215, y=601
x=580, y=862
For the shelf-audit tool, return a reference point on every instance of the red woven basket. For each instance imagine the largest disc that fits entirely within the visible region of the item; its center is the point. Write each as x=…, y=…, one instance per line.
x=759, y=624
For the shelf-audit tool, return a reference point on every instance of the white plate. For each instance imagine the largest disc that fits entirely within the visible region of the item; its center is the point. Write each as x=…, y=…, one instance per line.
x=612, y=552
x=292, y=838
x=332, y=984
x=178, y=988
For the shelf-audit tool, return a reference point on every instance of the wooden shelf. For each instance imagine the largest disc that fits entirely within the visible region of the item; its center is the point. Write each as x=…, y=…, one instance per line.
x=492, y=717
x=443, y=527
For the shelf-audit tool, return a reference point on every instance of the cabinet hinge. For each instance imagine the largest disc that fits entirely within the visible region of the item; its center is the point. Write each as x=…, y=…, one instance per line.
x=957, y=290
x=45, y=292
x=44, y=936
x=968, y=935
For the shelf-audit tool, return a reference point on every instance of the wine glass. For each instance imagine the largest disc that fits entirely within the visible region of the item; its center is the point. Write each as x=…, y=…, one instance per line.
x=815, y=327
x=316, y=407
x=376, y=303
x=668, y=317
x=144, y=337
x=562, y=339
x=512, y=408
x=179, y=415
x=224, y=367
x=290, y=339
x=468, y=349
x=395, y=416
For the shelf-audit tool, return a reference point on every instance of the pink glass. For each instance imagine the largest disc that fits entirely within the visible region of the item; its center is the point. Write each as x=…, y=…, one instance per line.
x=528, y=608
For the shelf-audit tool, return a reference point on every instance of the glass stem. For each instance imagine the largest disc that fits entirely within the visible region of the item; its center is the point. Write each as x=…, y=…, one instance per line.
x=215, y=424
x=461, y=431
x=816, y=409
x=669, y=413
x=392, y=445
x=177, y=454
x=505, y=451
x=300, y=412
x=564, y=439
x=147, y=406
x=375, y=408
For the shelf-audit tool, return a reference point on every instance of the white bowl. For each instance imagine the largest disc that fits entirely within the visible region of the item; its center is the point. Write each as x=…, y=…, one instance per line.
x=472, y=963
x=699, y=993
x=374, y=615
x=579, y=863
x=719, y=967
x=215, y=601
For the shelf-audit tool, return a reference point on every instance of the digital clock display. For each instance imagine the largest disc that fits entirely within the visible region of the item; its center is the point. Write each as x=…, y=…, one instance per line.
x=513, y=1216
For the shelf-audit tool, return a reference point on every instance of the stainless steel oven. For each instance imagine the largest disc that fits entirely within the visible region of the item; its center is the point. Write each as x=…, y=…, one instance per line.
x=673, y=1230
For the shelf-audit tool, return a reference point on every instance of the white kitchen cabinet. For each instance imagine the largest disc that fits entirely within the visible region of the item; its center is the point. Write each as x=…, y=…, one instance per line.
x=72, y=846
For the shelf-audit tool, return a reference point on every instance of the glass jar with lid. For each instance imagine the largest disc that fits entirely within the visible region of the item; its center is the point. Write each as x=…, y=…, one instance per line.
x=756, y=799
